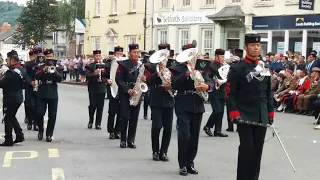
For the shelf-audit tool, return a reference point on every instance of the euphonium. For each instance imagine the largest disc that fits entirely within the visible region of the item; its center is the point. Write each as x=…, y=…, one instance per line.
x=139, y=87
x=160, y=58
x=189, y=56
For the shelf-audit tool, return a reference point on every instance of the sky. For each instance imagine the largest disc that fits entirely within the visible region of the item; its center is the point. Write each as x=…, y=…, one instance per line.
x=18, y=1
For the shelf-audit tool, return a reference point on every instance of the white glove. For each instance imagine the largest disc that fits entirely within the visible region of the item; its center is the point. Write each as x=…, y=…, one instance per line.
x=220, y=82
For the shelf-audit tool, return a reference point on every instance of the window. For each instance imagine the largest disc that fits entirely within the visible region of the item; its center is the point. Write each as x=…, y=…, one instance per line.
x=162, y=36
x=131, y=39
x=133, y=5
x=209, y=2
x=236, y=1
x=164, y=3
x=183, y=37
x=114, y=6
x=185, y=2
x=207, y=41
x=97, y=7
x=95, y=42
x=112, y=42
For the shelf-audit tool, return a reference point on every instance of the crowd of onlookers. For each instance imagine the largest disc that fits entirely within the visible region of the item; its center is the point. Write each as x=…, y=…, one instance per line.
x=295, y=82
x=74, y=67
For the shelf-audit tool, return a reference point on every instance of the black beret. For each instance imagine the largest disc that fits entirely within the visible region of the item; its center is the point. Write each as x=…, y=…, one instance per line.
x=40, y=50
x=111, y=53
x=118, y=48
x=36, y=50
x=219, y=52
x=187, y=46
x=133, y=46
x=97, y=51
x=252, y=38
x=47, y=51
x=164, y=46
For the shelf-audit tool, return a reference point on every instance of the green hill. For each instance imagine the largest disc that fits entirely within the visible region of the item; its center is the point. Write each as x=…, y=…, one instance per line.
x=9, y=12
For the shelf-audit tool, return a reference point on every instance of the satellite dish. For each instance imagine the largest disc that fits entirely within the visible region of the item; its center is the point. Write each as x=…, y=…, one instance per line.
x=194, y=42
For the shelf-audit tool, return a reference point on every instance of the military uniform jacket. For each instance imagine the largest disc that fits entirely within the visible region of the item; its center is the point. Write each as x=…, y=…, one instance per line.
x=126, y=77
x=12, y=84
x=94, y=86
x=288, y=84
x=48, y=87
x=184, y=101
x=30, y=95
x=159, y=97
x=250, y=100
x=214, y=74
x=314, y=87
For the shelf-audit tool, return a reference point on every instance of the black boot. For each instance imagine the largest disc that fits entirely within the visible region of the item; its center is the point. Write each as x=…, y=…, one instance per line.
x=19, y=139
x=91, y=115
x=155, y=156
x=7, y=143
x=207, y=131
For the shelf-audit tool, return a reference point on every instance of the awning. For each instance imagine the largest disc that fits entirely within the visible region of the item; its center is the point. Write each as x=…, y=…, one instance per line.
x=228, y=13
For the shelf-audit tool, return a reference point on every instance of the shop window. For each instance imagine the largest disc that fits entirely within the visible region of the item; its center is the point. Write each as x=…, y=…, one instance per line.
x=295, y=42
x=207, y=41
x=162, y=36
x=278, y=42
x=313, y=41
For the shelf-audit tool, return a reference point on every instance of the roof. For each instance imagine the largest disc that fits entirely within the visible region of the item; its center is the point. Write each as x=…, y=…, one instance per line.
x=6, y=34
x=114, y=33
x=227, y=13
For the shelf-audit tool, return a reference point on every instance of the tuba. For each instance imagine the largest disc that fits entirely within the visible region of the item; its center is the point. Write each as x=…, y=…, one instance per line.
x=224, y=69
x=189, y=56
x=160, y=58
x=139, y=87
x=113, y=72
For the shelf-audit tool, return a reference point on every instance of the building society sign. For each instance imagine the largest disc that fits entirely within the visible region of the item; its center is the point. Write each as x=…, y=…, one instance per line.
x=306, y=4
x=182, y=18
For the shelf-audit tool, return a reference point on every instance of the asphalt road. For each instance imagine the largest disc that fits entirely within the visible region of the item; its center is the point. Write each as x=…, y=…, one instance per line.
x=78, y=153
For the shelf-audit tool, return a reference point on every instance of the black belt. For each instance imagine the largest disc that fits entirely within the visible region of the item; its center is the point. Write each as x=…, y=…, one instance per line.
x=158, y=86
x=187, y=92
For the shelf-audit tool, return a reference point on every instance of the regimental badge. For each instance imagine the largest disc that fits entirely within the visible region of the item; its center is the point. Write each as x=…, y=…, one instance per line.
x=203, y=65
x=257, y=39
x=51, y=63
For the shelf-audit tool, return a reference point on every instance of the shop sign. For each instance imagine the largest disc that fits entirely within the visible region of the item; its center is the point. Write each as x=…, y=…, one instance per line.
x=183, y=17
x=286, y=22
x=113, y=21
x=306, y=4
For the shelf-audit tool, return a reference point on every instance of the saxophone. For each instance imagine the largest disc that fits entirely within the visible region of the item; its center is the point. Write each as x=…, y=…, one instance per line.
x=139, y=88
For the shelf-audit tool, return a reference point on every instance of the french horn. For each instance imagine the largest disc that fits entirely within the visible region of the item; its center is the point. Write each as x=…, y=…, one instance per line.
x=189, y=56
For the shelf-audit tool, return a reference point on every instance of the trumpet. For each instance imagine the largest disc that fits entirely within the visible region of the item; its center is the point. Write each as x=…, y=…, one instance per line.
x=51, y=69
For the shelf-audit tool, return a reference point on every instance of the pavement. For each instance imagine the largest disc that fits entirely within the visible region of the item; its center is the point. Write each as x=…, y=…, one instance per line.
x=78, y=153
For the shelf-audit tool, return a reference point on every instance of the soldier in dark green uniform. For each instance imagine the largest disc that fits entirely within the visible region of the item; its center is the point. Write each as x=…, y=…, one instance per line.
x=217, y=100
x=189, y=109
x=161, y=103
x=30, y=93
x=12, y=84
x=48, y=94
x=248, y=94
x=114, y=110
x=96, y=77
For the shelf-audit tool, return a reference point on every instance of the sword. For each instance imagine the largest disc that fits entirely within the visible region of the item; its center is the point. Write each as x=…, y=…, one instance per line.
x=274, y=133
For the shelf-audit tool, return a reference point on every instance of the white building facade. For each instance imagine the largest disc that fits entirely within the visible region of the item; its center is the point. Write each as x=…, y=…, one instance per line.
x=179, y=22
x=283, y=24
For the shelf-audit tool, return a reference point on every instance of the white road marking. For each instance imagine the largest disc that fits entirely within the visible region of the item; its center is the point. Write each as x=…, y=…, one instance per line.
x=53, y=153
x=57, y=174
x=8, y=157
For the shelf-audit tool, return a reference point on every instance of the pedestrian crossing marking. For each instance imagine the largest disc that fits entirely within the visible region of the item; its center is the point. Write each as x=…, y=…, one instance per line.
x=8, y=157
x=53, y=153
x=57, y=174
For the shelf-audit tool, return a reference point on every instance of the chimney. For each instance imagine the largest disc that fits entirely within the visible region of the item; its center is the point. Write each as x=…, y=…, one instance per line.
x=5, y=26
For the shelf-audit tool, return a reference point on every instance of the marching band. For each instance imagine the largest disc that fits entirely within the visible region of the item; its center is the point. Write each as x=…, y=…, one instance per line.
x=179, y=84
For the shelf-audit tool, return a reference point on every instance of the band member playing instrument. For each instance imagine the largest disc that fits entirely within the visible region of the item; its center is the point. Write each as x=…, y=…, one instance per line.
x=248, y=94
x=161, y=103
x=30, y=93
x=217, y=100
x=12, y=83
x=96, y=77
x=189, y=109
x=114, y=109
x=48, y=75
x=146, y=96
x=127, y=79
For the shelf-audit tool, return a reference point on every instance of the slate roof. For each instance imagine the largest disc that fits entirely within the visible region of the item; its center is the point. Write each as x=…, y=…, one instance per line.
x=6, y=34
x=228, y=12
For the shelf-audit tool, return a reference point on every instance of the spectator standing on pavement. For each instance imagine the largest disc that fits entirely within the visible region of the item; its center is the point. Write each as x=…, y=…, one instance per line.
x=65, y=65
x=82, y=68
x=71, y=69
x=77, y=67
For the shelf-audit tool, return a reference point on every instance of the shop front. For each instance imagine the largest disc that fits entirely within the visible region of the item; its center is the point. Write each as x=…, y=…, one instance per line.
x=182, y=27
x=295, y=33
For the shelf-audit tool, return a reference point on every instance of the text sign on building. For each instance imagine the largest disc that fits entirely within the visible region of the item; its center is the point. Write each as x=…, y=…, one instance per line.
x=286, y=22
x=306, y=4
x=182, y=17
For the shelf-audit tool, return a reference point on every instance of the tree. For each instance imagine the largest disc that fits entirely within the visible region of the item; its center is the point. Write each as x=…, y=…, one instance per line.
x=68, y=11
x=36, y=20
